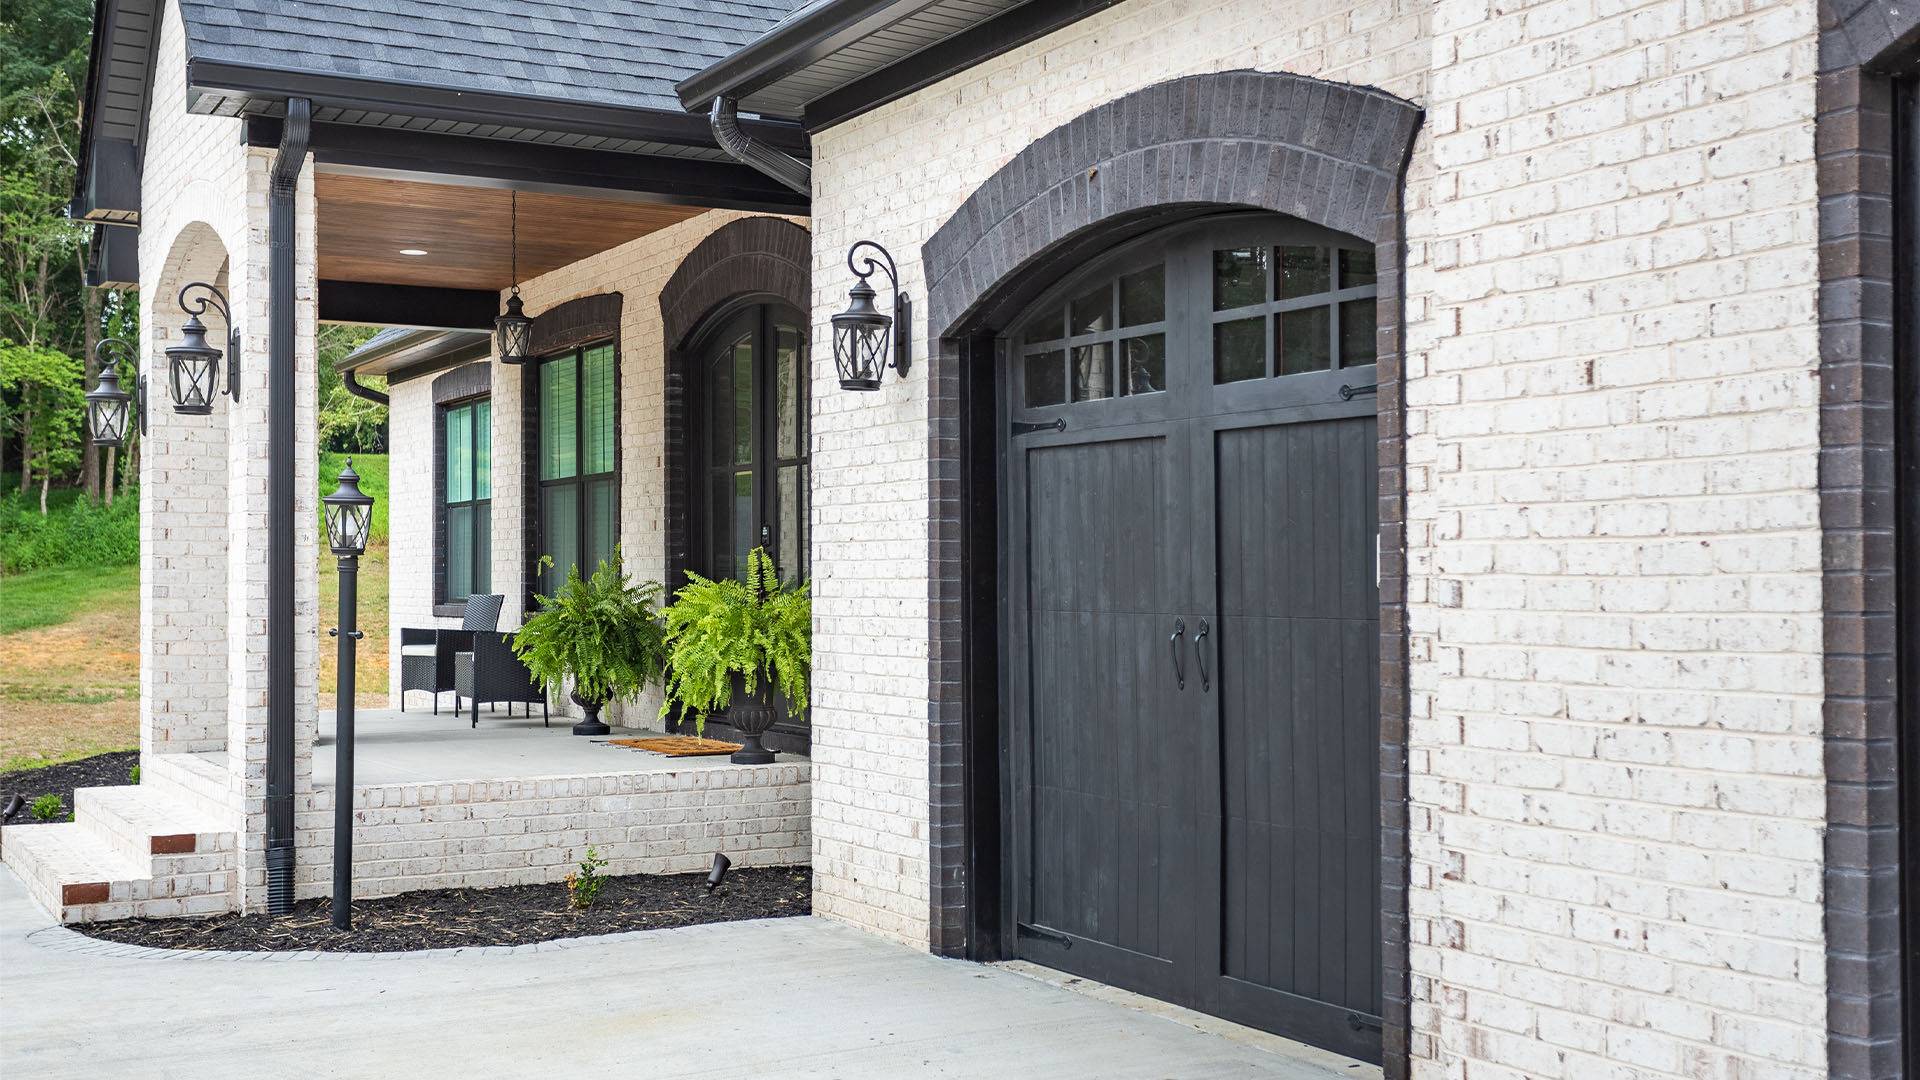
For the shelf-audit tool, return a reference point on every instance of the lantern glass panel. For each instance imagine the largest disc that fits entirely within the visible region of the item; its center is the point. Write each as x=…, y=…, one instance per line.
x=194, y=376
x=347, y=527
x=108, y=415
x=858, y=349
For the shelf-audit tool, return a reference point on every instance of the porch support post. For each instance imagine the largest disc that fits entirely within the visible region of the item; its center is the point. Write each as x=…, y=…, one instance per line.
x=281, y=390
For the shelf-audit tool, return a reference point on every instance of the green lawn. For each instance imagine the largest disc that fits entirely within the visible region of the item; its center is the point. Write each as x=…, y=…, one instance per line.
x=51, y=597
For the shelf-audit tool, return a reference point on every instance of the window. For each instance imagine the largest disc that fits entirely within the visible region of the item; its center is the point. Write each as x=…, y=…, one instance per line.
x=579, y=511
x=1242, y=302
x=466, y=485
x=750, y=452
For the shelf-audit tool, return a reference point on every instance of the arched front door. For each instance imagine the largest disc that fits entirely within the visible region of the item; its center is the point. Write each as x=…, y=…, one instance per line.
x=1191, y=626
x=748, y=436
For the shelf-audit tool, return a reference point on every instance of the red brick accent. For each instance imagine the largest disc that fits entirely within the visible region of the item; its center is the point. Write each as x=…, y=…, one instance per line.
x=180, y=844
x=93, y=892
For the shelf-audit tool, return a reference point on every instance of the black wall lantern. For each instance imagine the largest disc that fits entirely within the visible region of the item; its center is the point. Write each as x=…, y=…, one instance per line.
x=512, y=330
x=193, y=366
x=108, y=406
x=862, y=333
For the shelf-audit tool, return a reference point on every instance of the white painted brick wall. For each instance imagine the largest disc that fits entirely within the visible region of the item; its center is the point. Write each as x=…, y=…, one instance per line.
x=1617, y=782
x=488, y=833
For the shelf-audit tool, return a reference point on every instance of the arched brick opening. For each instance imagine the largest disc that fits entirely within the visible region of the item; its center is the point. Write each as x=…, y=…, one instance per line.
x=1866, y=49
x=752, y=258
x=1331, y=154
x=183, y=523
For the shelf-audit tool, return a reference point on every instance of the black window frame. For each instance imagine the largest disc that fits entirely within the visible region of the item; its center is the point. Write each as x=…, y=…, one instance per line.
x=761, y=316
x=546, y=580
x=482, y=522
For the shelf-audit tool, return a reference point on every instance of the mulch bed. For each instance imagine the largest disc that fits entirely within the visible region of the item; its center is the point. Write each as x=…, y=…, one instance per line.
x=513, y=915
x=101, y=770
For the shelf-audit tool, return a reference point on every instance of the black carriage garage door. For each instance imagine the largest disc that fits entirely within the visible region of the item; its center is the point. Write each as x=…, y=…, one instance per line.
x=1191, y=628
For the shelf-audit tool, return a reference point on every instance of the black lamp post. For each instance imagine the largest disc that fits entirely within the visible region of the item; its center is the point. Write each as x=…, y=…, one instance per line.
x=512, y=330
x=108, y=406
x=349, y=518
x=862, y=333
x=193, y=366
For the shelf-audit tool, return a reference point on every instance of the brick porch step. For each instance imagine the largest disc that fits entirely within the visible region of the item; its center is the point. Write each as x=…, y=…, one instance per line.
x=129, y=852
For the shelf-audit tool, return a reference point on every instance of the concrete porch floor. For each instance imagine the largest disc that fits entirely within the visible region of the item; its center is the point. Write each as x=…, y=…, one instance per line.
x=392, y=747
x=785, y=998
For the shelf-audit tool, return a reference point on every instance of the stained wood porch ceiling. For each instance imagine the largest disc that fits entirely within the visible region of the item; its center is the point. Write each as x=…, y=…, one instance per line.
x=365, y=222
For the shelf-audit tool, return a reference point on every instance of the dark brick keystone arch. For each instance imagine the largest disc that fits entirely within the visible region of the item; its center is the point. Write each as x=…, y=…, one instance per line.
x=1327, y=153
x=756, y=257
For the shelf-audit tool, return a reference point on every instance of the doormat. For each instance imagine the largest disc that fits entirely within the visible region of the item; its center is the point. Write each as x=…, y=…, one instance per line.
x=679, y=746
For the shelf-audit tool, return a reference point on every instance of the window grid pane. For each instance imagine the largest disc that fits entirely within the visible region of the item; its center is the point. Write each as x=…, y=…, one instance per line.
x=597, y=377
x=559, y=419
x=483, y=449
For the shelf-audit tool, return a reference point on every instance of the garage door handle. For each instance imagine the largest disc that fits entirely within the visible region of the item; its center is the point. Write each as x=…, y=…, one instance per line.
x=1173, y=639
x=1200, y=656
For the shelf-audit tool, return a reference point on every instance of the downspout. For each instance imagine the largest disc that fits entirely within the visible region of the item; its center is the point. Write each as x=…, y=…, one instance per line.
x=786, y=168
x=353, y=387
x=282, y=381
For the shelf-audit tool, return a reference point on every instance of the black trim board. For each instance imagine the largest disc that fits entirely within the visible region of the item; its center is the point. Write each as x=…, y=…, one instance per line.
x=433, y=157
x=450, y=103
x=366, y=303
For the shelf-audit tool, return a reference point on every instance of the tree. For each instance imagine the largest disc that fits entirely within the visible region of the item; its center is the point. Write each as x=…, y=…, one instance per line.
x=43, y=255
x=46, y=411
x=348, y=423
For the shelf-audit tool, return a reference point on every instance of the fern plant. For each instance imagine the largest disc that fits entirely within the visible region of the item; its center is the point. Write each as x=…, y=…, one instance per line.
x=600, y=631
x=758, y=630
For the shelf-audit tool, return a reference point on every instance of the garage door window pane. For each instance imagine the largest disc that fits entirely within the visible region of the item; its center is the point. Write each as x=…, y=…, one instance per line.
x=1046, y=379
x=1303, y=341
x=1239, y=349
x=1239, y=278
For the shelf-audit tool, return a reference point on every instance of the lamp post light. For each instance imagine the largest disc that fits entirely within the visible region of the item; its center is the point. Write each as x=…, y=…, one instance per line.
x=108, y=406
x=349, y=518
x=193, y=366
x=862, y=333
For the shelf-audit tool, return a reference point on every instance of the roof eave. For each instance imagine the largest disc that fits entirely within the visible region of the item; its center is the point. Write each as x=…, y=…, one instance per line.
x=789, y=46
x=207, y=76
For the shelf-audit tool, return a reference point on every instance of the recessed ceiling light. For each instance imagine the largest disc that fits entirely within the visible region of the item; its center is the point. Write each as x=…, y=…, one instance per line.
x=411, y=251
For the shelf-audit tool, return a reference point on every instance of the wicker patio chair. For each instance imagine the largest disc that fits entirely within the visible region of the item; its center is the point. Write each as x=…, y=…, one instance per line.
x=426, y=653
x=493, y=674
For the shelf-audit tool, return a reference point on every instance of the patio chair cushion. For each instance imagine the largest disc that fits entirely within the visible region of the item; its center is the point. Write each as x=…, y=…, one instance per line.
x=417, y=650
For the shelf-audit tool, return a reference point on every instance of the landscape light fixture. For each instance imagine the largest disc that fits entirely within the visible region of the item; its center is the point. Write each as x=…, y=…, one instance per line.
x=719, y=872
x=349, y=518
x=512, y=330
x=193, y=366
x=109, y=406
x=862, y=333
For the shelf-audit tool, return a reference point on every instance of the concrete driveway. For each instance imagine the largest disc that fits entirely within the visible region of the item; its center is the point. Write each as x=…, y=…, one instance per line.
x=784, y=998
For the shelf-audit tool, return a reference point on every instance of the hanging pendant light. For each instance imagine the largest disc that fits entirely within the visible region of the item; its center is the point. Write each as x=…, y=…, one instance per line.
x=512, y=330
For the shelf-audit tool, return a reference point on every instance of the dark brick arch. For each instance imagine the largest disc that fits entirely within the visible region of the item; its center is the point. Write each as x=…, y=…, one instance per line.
x=1331, y=154
x=1864, y=46
x=756, y=256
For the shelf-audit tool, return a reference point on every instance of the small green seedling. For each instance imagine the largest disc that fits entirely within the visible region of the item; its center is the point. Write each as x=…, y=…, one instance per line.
x=133, y=775
x=584, y=887
x=47, y=807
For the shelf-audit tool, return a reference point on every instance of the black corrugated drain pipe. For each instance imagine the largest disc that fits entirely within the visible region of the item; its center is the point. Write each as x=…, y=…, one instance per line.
x=281, y=439
x=786, y=168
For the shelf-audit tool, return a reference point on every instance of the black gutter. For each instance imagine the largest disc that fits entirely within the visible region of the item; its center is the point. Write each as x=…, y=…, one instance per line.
x=452, y=103
x=351, y=381
x=790, y=46
x=785, y=168
x=103, y=12
x=281, y=382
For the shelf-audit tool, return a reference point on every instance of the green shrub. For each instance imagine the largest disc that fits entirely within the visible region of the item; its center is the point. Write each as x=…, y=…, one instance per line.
x=599, y=631
x=757, y=630
x=584, y=887
x=47, y=807
x=74, y=533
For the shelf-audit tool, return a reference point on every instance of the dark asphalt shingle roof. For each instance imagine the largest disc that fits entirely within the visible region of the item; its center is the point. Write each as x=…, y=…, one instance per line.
x=621, y=53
